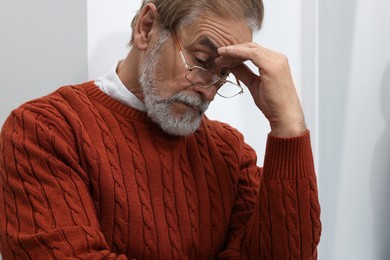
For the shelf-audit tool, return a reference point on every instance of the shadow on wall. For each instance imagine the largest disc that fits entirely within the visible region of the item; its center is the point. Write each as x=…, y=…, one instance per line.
x=380, y=179
x=337, y=29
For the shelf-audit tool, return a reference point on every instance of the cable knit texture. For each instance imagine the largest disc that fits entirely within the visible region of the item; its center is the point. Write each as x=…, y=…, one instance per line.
x=86, y=177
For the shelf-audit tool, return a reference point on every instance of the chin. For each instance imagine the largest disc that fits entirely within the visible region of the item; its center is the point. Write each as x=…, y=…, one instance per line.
x=183, y=125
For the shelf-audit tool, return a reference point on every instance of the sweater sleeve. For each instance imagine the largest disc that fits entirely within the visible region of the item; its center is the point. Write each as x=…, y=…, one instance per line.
x=46, y=211
x=286, y=220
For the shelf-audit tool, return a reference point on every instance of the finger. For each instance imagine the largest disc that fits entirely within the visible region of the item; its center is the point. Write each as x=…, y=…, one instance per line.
x=247, y=51
x=244, y=74
x=228, y=62
x=236, y=65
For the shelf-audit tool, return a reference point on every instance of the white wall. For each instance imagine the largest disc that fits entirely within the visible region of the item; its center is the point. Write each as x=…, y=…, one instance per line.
x=354, y=133
x=109, y=32
x=43, y=45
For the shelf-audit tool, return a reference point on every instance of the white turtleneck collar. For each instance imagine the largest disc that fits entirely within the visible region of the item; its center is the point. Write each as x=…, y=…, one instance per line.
x=111, y=84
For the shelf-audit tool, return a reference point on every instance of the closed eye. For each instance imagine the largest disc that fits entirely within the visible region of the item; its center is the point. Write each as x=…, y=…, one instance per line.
x=200, y=62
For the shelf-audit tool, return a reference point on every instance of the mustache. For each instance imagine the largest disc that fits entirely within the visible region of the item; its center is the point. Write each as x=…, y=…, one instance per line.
x=193, y=100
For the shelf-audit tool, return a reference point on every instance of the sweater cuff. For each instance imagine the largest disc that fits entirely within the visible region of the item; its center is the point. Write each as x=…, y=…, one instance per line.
x=289, y=158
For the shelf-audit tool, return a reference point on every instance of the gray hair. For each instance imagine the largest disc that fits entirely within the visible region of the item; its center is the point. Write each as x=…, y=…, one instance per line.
x=176, y=14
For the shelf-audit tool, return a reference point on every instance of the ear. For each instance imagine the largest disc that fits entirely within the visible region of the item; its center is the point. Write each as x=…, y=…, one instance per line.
x=142, y=30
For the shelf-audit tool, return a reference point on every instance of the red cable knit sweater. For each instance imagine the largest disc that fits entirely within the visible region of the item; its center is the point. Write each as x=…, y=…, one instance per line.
x=84, y=176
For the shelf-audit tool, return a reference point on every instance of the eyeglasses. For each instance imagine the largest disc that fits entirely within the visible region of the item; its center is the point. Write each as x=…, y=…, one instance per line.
x=204, y=78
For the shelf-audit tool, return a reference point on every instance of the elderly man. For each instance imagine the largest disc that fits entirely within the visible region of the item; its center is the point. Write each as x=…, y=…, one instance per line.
x=129, y=167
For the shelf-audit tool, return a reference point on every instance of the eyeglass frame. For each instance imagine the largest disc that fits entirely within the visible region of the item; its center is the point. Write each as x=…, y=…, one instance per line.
x=189, y=68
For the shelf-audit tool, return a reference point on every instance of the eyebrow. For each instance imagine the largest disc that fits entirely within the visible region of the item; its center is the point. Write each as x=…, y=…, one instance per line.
x=208, y=43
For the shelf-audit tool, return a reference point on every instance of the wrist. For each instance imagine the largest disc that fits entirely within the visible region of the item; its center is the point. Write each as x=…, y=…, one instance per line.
x=288, y=129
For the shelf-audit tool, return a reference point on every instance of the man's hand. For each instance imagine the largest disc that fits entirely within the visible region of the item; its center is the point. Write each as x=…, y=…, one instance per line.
x=273, y=89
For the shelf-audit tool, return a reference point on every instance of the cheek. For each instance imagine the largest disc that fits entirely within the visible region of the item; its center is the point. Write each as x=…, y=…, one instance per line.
x=171, y=67
x=170, y=80
x=172, y=71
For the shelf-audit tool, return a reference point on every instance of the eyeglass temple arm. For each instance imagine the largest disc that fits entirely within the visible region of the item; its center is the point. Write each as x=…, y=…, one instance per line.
x=180, y=50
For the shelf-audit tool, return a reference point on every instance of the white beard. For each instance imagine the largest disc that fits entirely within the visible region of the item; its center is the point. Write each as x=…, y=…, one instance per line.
x=159, y=109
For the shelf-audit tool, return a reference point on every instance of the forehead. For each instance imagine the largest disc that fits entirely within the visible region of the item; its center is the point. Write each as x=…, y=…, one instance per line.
x=214, y=31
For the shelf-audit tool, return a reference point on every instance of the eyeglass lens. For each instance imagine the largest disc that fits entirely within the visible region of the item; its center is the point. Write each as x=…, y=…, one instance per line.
x=202, y=77
x=205, y=78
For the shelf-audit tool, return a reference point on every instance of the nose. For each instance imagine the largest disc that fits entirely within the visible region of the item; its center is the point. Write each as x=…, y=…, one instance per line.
x=207, y=93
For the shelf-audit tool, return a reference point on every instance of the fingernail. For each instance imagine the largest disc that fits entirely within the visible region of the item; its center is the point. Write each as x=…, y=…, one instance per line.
x=229, y=48
x=221, y=49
